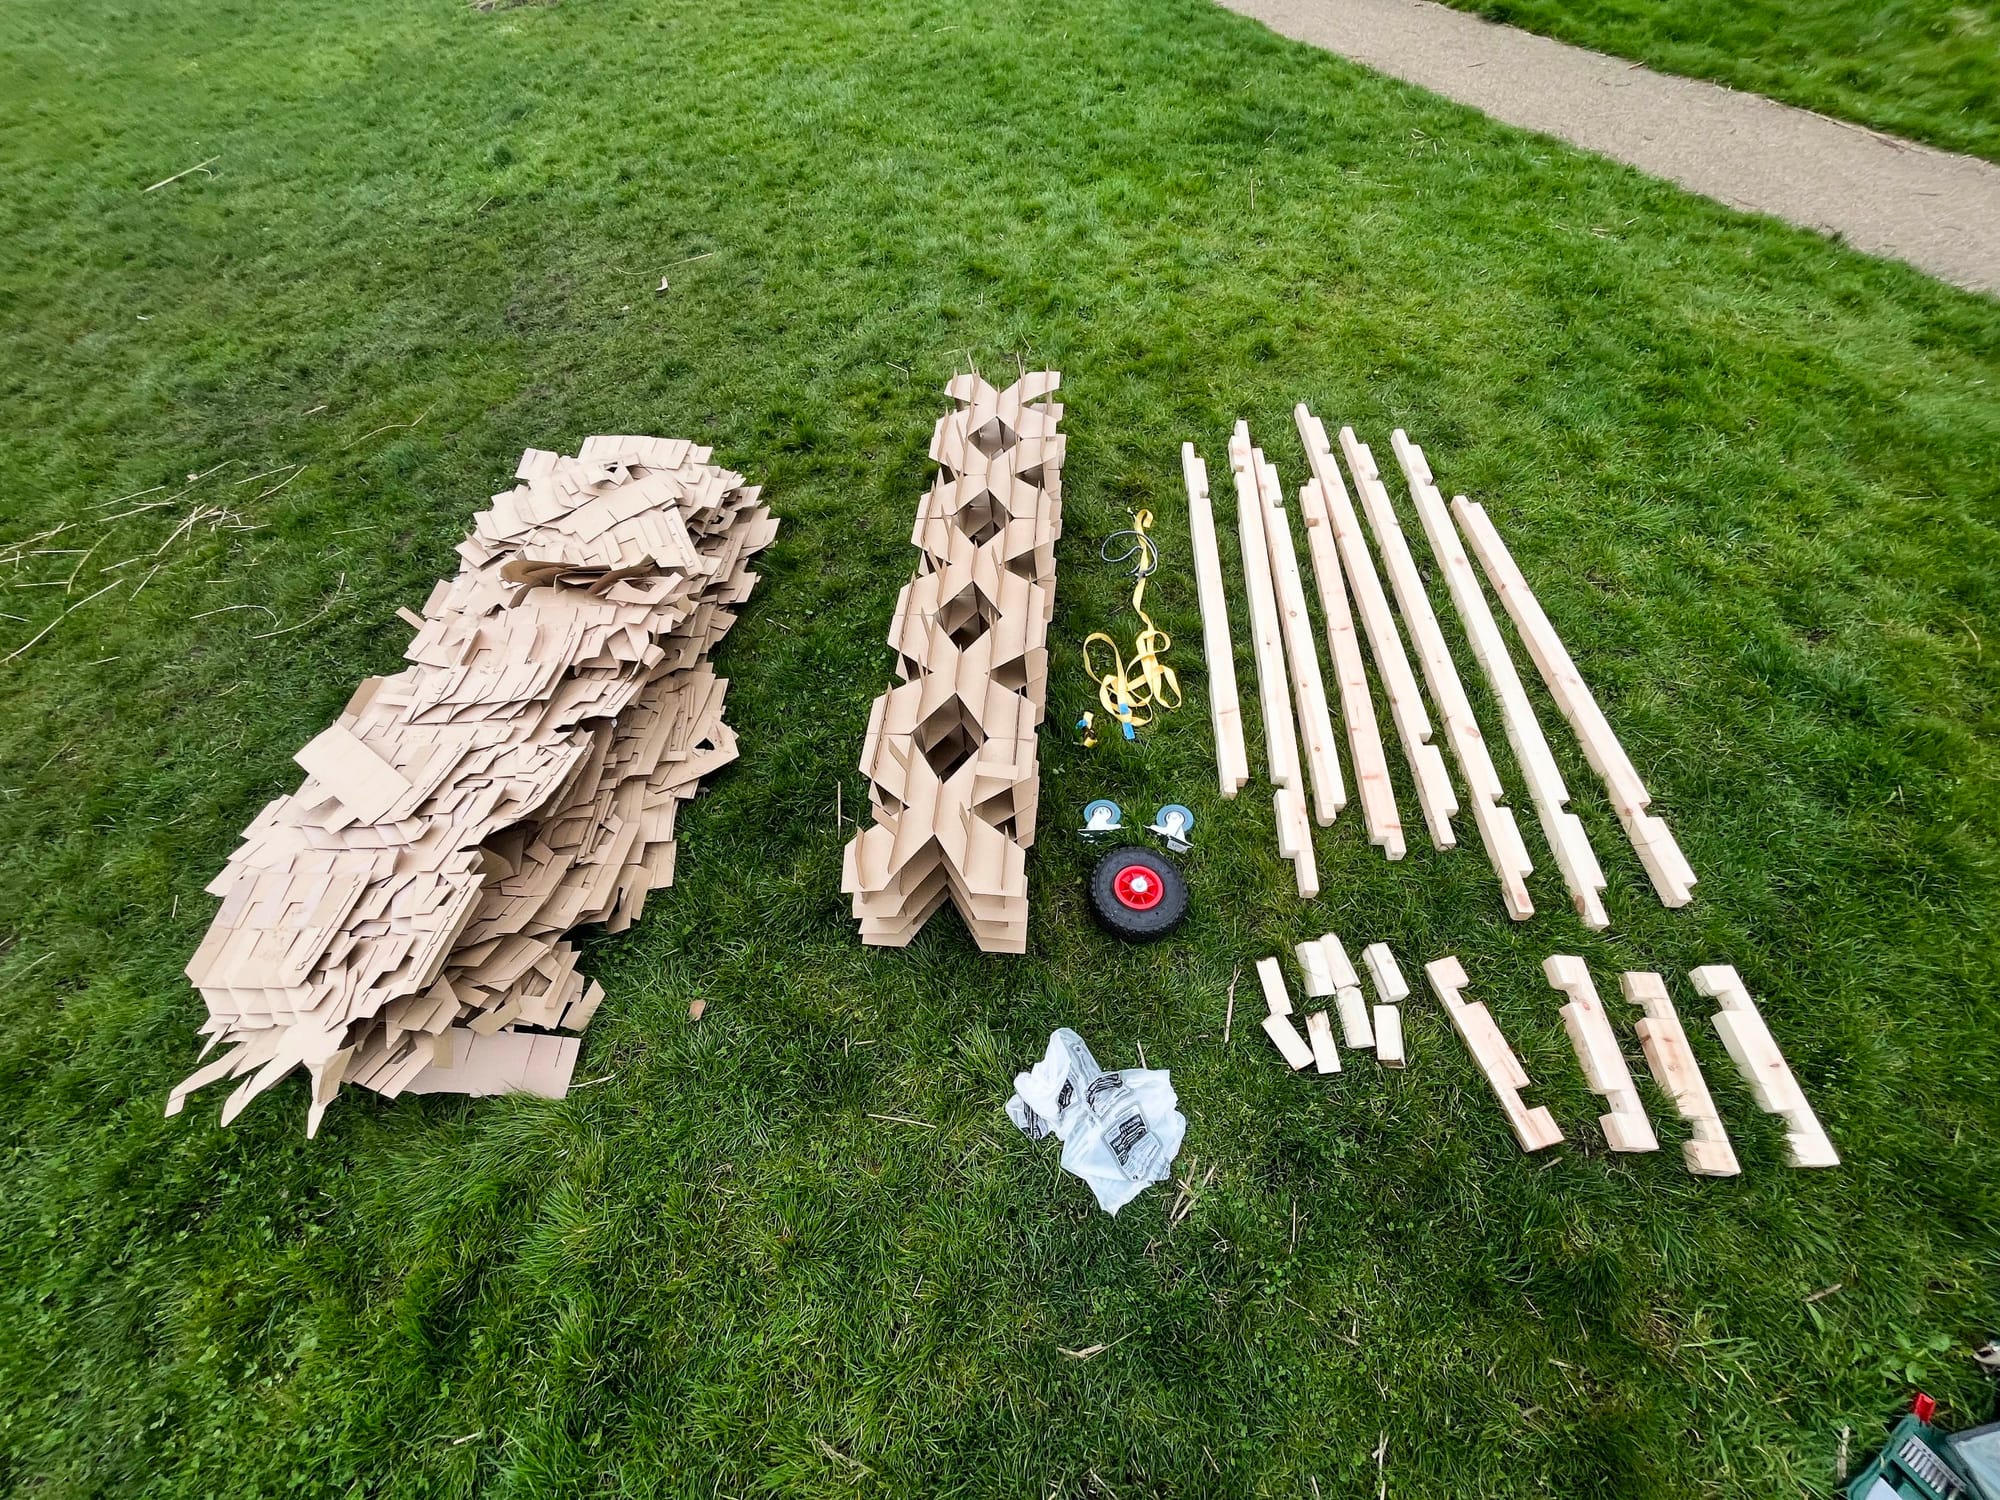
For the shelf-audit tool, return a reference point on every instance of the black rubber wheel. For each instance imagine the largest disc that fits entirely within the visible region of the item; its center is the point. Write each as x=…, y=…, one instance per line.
x=1137, y=896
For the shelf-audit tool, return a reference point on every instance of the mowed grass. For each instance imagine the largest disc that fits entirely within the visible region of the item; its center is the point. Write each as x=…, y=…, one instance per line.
x=1925, y=69
x=1751, y=475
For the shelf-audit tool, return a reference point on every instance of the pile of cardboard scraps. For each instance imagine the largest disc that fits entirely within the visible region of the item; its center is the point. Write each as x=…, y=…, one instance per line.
x=398, y=922
x=950, y=753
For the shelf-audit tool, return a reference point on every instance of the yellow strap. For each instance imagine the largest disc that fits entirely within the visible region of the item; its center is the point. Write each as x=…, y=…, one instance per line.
x=1138, y=690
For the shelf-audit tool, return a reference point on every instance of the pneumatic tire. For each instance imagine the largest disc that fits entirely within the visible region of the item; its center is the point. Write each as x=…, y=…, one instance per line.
x=1137, y=896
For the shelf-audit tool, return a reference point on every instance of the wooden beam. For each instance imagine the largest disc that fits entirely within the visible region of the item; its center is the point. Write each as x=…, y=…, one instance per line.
x=1563, y=830
x=1232, y=759
x=1763, y=1066
x=1533, y=1128
x=1357, y=707
x=1406, y=705
x=1626, y=1127
x=1707, y=1152
x=1498, y=833
x=1281, y=746
x=1322, y=754
x=1288, y=808
x=1673, y=879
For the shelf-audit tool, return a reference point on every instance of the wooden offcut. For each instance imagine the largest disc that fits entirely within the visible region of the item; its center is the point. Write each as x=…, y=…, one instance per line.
x=1390, y=986
x=1743, y=1032
x=1356, y=1028
x=1319, y=1032
x=1271, y=980
x=1534, y=1128
x=1388, y=1031
x=1295, y=1049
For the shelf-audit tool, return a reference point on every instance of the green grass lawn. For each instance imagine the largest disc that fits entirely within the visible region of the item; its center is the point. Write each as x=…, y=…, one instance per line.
x=1751, y=474
x=1925, y=69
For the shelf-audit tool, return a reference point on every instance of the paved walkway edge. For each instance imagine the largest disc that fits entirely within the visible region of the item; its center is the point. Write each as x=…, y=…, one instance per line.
x=1935, y=210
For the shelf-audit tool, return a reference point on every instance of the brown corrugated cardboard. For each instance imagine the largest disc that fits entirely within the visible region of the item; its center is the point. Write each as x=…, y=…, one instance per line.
x=398, y=921
x=950, y=752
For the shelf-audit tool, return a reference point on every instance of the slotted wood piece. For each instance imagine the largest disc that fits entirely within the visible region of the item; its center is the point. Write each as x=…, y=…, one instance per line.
x=1295, y=839
x=1763, y=1066
x=1707, y=1152
x=1536, y=1128
x=1625, y=1127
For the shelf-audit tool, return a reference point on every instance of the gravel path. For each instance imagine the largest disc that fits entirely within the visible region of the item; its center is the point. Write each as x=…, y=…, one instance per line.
x=1935, y=210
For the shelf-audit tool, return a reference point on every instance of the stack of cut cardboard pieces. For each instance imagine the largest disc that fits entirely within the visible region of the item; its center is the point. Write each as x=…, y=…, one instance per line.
x=398, y=922
x=950, y=753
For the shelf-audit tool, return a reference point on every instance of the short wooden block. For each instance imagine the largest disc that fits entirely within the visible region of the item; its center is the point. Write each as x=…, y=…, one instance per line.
x=1277, y=1000
x=1288, y=1040
x=1389, y=1036
x=1354, y=1026
x=1338, y=964
x=1389, y=985
x=1313, y=965
x=1319, y=1030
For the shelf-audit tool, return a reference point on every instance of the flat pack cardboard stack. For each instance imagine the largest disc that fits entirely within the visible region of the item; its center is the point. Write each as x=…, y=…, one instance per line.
x=398, y=922
x=950, y=752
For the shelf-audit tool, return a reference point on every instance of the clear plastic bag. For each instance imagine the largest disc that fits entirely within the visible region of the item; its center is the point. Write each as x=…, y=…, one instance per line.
x=1119, y=1130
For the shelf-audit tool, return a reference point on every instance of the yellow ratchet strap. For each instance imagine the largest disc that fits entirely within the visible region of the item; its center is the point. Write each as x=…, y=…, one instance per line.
x=1138, y=689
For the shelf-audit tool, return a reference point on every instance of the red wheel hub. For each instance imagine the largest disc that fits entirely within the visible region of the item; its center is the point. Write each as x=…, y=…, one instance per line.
x=1138, y=887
